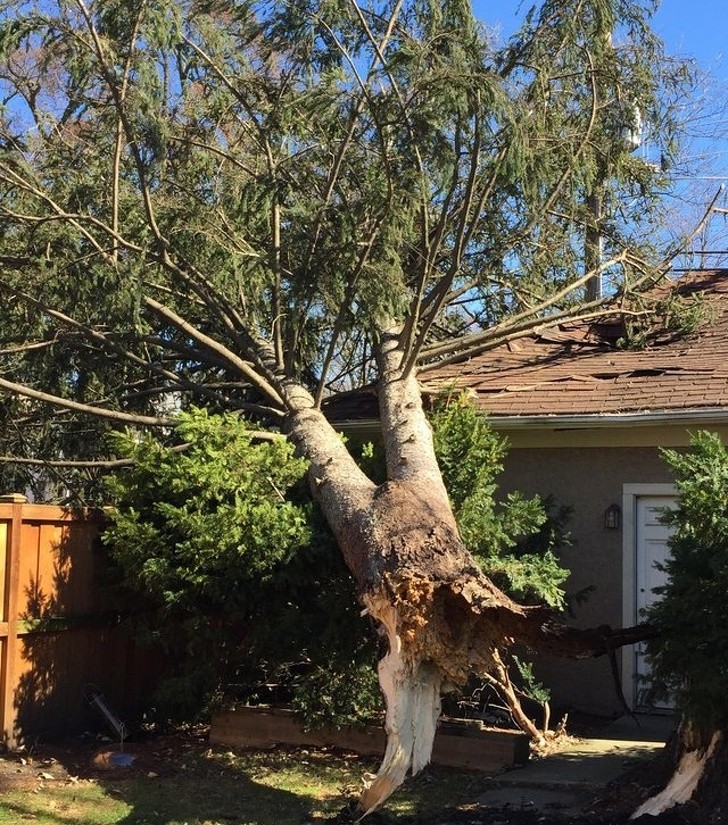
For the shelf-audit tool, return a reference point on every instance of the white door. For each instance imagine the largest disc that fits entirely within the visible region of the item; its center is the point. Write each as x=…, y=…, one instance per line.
x=651, y=545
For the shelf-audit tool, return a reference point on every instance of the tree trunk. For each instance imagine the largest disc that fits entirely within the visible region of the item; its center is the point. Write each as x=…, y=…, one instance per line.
x=443, y=618
x=698, y=774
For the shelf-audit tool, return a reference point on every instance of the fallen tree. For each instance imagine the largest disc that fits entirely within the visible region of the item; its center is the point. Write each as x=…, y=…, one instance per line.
x=255, y=206
x=441, y=615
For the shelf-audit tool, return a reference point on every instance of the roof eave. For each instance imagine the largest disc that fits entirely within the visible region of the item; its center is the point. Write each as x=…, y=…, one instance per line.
x=685, y=417
x=702, y=417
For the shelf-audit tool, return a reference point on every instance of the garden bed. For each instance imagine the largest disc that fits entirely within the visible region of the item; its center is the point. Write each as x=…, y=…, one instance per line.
x=459, y=743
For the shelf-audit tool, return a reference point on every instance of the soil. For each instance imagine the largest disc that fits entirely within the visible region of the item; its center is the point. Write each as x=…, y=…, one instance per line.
x=613, y=806
x=80, y=759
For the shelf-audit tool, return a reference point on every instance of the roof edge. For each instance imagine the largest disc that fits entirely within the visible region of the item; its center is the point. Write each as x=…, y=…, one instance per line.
x=698, y=416
x=703, y=416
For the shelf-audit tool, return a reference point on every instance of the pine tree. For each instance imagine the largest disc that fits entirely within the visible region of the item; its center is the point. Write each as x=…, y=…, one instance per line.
x=689, y=653
x=253, y=206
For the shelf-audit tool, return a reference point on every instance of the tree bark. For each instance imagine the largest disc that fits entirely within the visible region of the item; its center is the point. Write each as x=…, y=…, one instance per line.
x=697, y=775
x=443, y=618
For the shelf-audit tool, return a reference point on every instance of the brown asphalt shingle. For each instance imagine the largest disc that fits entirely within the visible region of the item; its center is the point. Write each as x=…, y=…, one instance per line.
x=578, y=369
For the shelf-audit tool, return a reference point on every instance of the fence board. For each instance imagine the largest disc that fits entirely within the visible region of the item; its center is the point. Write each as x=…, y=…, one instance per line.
x=53, y=639
x=13, y=515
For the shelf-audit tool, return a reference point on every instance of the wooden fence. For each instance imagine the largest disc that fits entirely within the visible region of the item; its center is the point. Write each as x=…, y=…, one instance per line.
x=58, y=633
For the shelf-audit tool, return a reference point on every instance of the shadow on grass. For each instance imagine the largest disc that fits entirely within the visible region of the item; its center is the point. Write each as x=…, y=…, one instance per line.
x=206, y=791
x=177, y=780
x=180, y=780
x=286, y=787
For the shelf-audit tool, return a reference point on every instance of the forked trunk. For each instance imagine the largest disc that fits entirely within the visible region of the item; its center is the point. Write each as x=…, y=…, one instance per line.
x=401, y=543
x=443, y=618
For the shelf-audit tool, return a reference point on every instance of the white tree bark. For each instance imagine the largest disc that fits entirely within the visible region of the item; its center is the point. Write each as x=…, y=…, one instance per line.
x=412, y=694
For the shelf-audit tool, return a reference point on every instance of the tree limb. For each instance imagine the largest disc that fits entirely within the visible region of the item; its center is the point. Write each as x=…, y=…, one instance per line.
x=87, y=409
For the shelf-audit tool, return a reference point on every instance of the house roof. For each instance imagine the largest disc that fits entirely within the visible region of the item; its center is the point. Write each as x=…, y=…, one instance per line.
x=582, y=370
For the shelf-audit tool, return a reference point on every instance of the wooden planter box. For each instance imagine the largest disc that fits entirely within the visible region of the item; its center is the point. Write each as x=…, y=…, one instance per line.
x=458, y=743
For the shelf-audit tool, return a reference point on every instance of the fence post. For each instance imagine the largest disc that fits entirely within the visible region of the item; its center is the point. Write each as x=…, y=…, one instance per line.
x=10, y=618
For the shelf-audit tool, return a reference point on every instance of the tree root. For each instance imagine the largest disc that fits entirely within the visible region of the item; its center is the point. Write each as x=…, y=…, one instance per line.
x=437, y=632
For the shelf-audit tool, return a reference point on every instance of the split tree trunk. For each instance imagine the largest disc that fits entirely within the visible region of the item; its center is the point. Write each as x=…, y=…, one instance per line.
x=698, y=774
x=443, y=618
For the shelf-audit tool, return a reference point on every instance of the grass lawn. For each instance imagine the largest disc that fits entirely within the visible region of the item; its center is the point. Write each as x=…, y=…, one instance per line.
x=181, y=781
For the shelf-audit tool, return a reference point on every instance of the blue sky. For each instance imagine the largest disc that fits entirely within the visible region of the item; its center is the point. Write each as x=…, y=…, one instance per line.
x=696, y=29
x=690, y=28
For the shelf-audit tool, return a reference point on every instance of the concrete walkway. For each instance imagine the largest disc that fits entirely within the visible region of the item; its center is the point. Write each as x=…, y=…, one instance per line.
x=567, y=780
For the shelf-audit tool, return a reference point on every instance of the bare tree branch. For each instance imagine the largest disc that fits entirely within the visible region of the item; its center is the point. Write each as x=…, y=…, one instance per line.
x=87, y=409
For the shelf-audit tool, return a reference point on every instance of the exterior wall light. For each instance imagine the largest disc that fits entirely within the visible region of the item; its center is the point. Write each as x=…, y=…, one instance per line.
x=612, y=517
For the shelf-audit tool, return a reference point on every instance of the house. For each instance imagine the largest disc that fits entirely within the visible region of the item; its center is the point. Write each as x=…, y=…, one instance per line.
x=586, y=411
x=586, y=415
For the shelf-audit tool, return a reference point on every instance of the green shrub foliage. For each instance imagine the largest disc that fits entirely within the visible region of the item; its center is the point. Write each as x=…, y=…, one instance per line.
x=514, y=539
x=203, y=527
x=243, y=584
x=690, y=656
x=245, y=588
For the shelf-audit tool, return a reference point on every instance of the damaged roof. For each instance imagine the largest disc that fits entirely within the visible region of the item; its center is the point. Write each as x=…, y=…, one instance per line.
x=596, y=369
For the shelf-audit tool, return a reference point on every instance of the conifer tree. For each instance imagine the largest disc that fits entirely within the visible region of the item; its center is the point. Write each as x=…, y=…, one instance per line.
x=254, y=206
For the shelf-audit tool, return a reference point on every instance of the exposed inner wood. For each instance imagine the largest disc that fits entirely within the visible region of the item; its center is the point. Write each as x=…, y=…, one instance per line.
x=689, y=772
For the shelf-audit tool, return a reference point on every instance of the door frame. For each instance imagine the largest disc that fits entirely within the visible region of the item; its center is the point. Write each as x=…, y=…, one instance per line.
x=630, y=494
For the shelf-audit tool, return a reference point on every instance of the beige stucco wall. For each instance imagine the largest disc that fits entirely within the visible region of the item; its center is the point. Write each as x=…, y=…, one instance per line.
x=588, y=480
x=586, y=470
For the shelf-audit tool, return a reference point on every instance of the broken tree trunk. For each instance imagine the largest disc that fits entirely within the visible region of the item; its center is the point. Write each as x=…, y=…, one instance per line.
x=442, y=617
x=698, y=760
